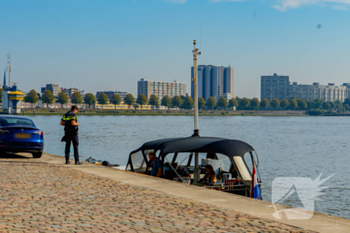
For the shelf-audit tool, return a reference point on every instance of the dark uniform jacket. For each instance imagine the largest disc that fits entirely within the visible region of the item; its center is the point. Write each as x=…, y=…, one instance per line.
x=68, y=127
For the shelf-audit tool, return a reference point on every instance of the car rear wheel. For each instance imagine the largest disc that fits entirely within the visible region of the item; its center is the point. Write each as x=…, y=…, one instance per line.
x=37, y=155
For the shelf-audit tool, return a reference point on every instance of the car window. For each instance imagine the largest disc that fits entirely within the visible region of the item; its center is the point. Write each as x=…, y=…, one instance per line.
x=12, y=121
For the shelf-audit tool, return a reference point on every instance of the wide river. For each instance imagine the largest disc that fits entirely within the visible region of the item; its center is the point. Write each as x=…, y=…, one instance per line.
x=287, y=146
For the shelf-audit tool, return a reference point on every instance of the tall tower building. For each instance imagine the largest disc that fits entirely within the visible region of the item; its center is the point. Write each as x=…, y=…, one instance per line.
x=228, y=80
x=215, y=81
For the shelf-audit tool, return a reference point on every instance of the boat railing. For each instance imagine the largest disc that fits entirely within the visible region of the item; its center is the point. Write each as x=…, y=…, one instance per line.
x=221, y=186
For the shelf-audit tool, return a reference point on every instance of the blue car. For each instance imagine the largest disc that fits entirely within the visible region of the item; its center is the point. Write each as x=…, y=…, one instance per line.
x=19, y=134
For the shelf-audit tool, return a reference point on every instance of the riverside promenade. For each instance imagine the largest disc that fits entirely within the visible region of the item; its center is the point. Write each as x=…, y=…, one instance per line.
x=43, y=195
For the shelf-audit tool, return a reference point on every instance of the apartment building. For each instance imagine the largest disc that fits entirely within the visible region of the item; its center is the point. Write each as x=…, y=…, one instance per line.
x=110, y=94
x=160, y=89
x=279, y=86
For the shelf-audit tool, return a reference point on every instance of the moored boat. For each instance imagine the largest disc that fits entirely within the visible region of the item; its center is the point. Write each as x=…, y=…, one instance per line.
x=234, y=163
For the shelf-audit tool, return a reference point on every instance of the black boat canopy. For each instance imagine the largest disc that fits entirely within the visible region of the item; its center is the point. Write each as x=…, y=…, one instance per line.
x=223, y=146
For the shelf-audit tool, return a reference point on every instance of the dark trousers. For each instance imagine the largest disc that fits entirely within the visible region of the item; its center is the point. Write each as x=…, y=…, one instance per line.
x=75, y=139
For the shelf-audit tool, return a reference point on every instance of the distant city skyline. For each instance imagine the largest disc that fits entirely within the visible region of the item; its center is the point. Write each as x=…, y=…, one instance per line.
x=111, y=45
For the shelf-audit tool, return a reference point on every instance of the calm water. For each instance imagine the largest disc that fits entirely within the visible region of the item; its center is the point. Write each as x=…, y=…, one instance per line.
x=287, y=146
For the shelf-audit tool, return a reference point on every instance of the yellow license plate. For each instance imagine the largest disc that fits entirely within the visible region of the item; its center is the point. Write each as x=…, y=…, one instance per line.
x=22, y=135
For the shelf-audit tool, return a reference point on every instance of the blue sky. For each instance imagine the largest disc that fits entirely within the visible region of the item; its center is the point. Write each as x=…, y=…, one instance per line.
x=110, y=45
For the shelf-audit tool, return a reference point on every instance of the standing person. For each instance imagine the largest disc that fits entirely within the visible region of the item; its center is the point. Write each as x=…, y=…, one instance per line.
x=71, y=126
x=156, y=164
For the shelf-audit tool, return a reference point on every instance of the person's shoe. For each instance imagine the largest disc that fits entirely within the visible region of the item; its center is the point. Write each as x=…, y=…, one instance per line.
x=78, y=163
x=67, y=162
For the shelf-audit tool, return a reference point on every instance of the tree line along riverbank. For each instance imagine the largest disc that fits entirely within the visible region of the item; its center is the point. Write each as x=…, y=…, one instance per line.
x=61, y=111
x=210, y=106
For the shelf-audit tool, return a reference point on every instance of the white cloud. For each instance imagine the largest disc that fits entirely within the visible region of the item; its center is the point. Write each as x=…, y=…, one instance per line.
x=175, y=1
x=294, y=4
x=339, y=7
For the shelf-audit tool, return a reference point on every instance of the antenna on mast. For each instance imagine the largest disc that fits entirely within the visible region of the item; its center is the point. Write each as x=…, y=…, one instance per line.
x=200, y=45
x=195, y=88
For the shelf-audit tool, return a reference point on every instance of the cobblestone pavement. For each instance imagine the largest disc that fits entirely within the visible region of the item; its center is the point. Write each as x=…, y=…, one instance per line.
x=39, y=197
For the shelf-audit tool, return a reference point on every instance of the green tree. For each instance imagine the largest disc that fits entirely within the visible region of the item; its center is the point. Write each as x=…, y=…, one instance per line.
x=76, y=98
x=129, y=100
x=317, y=103
x=188, y=103
x=211, y=102
x=201, y=103
x=103, y=99
x=89, y=99
x=302, y=104
x=166, y=101
x=284, y=103
x=326, y=106
x=222, y=103
x=245, y=103
x=265, y=103
x=31, y=97
x=136, y=106
x=47, y=97
x=338, y=105
x=176, y=102
x=347, y=101
x=116, y=100
x=183, y=98
x=62, y=98
x=255, y=103
x=233, y=103
x=275, y=103
x=154, y=100
x=142, y=100
x=347, y=107
x=293, y=104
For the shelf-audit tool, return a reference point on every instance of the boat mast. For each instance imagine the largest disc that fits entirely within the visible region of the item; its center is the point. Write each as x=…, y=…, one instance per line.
x=196, y=171
x=195, y=88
